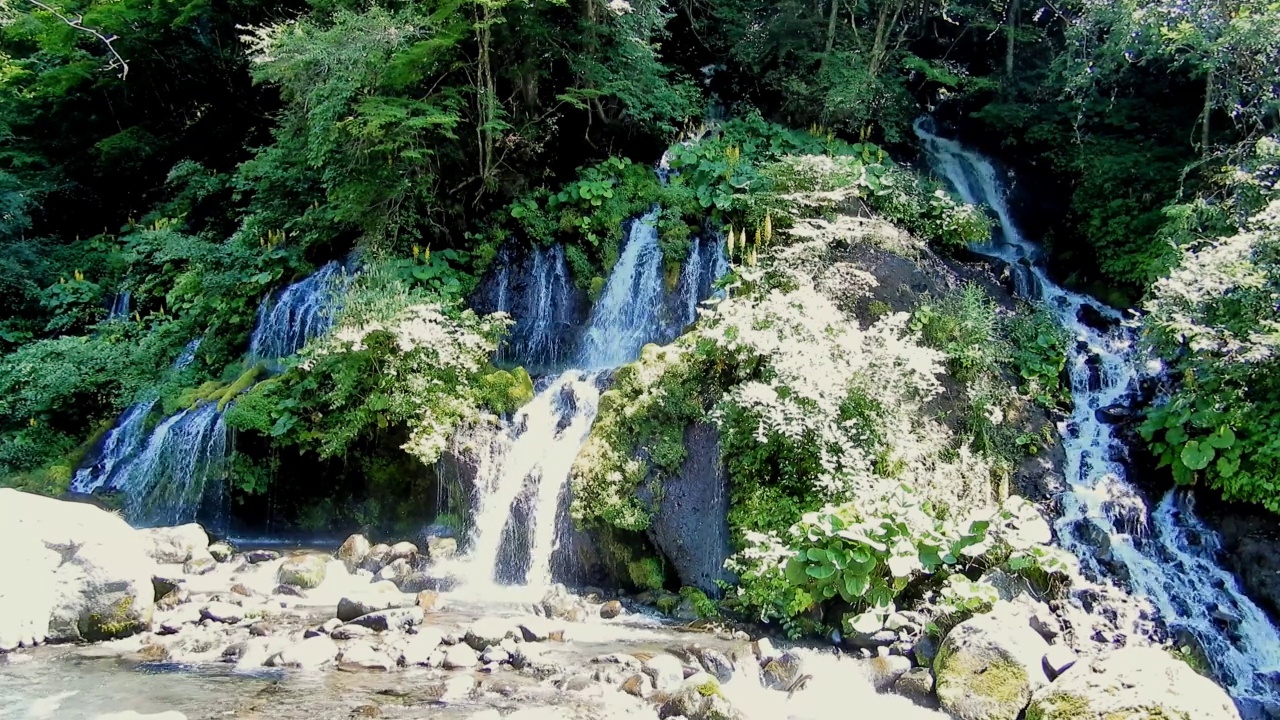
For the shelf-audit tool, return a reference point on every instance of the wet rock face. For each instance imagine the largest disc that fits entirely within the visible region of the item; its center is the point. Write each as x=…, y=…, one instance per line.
x=988, y=666
x=690, y=523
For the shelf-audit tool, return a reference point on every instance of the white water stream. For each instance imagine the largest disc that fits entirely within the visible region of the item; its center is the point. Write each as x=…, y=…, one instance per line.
x=1168, y=556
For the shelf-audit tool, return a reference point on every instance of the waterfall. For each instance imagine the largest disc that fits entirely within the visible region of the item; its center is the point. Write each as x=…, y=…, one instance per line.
x=707, y=262
x=166, y=484
x=534, y=287
x=1168, y=556
x=126, y=437
x=629, y=310
x=302, y=311
x=121, y=306
x=541, y=444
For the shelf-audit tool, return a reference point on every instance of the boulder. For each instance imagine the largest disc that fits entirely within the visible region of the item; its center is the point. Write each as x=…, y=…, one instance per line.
x=1132, y=683
x=402, y=551
x=353, y=551
x=395, y=570
x=351, y=632
x=885, y=670
x=782, y=672
x=916, y=685
x=988, y=666
x=391, y=619
x=377, y=557
x=303, y=571
x=488, y=631
x=716, y=663
x=690, y=513
x=200, y=565
x=363, y=656
x=460, y=657
x=315, y=652
x=611, y=610
x=222, y=612
x=70, y=571
x=253, y=557
x=221, y=551
x=441, y=548
x=666, y=671
x=173, y=545
x=353, y=606
x=417, y=649
x=698, y=703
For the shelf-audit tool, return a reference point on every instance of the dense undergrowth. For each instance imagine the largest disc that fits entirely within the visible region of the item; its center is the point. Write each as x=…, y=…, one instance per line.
x=210, y=154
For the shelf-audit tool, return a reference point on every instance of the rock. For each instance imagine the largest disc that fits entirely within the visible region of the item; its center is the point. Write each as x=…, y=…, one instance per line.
x=698, y=704
x=70, y=571
x=202, y=565
x=363, y=656
x=690, y=511
x=134, y=715
x=534, y=630
x=666, y=671
x=421, y=581
x=353, y=606
x=221, y=551
x=222, y=612
x=351, y=632
x=173, y=598
x=391, y=619
x=1007, y=585
x=884, y=671
x=311, y=653
x=1132, y=683
x=1058, y=660
x=924, y=651
x=638, y=685
x=629, y=662
x=288, y=590
x=611, y=610
x=261, y=629
x=173, y=545
x=253, y=557
x=394, y=570
x=764, y=650
x=353, y=551
x=781, y=672
x=457, y=688
x=417, y=649
x=441, y=548
x=429, y=601
x=460, y=657
x=303, y=571
x=243, y=590
x=495, y=655
x=170, y=622
x=558, y=602
x=488, y=631
x=402, y=551
x=1113, y=414
x=716, y=663
x=988, y=666
x=916, y=685
x=377, y=558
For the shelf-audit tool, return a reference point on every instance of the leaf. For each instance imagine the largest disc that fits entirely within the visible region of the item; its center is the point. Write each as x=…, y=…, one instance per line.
x=855, y=586
x=1222, y=439
x=283, y=425
x=1197, y=455
x=820, y=572
x=1228, y=466
x=867, y=623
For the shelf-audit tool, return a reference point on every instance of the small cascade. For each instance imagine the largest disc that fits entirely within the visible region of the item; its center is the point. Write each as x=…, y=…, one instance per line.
x=166, y=484
x=535, y=288
x=1167, y=556
x=629, y=311
x=125, y=439
x=121, y=306
x=121, y=442
x=301, y=312
x=542, y=442
x=707, y=262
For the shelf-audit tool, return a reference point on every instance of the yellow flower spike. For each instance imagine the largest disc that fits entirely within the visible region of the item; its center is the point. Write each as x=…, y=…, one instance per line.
x=768, y=228
x=426, y=255
x=729, y=241
x=742, y=243
x=416, y=251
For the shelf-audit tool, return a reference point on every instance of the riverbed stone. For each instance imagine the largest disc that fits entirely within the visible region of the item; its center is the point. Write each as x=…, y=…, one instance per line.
x=441, y=548
x=418, y=649
x=253, y=557
x=201, y=565
x=222, y=612
x=460, y=657
x=351, y=607
x=221, y=551
x=988, y=666
x=1132, y=683
x=353, y=551
x=611, y=610
x=304, y=571
x=390, y=619
x=178, y=544
x=377, y=558
x=351, y=631
x=488, y=631
x=666, y=671
x=395, y=570
x=310, y=653
x=884, y=671
x=363, y=656
x=916, y=685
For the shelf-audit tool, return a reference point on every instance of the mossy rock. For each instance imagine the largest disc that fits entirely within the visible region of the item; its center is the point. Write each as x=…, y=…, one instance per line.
x=505, y=391
x=989, y=666
x=1132, y=684
x=119, y=621
x=303, y=571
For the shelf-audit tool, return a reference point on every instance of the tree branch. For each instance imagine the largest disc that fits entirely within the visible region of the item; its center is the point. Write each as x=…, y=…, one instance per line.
x=77, y=23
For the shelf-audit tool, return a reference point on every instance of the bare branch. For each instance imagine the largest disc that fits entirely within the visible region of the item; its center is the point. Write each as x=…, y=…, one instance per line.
x=78, y=23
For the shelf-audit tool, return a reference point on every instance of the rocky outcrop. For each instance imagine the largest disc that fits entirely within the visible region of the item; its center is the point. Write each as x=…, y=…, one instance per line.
x=988, y=666
x=690, y=512
x=303, y=571
x=172, y=545
x=70, y=571
x=1132, y=683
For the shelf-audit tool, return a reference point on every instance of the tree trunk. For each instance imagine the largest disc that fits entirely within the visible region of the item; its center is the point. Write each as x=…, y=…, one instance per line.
x=1011, y=26
x=831, y=30
x=1206, y=113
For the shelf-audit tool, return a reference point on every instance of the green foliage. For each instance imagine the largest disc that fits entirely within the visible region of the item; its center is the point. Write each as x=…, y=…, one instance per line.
x=704, y=606
x=504, y=392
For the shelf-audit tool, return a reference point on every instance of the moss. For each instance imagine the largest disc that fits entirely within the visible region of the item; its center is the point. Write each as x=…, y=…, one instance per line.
x=118, y=621
x=710, y=688
x=646, y=573
x=1003, y=682
x=239, y=385
x=1063, y=706
x=596, y=288
x=505, y=391
x=703, y=605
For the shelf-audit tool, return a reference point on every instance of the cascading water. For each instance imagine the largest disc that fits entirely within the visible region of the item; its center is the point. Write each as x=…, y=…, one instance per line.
x=303, y=310
x=121, y=306
x=1169, y=557
x=630, y=308
x=521, y=488
x=124, y=440
x=539, y=294
x=168, y=481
